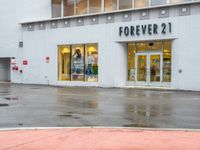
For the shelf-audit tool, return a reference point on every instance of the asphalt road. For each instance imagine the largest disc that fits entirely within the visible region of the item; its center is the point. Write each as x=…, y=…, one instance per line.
x=43, y=106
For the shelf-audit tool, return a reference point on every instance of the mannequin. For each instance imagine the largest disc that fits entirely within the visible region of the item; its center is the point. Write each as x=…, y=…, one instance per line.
x=90, y=62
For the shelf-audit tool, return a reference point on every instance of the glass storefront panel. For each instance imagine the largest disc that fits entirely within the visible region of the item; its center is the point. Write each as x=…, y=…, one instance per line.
x=155, y=67
x=167, y=58
x=110, y=5
x=141, y=67
x=56, y=8
x=69, y=8
x=81, y=7
x=141, y=3
x=125, y=4
x=158, y=2
x=91, y=68
x=64, y=62
x=94, y=6
x=131, y=61
x=148, y=46
x=77, y=63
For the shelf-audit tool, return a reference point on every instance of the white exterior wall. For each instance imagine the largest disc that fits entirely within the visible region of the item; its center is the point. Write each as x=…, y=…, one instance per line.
x=40, y=44
x=11, y=14
x=112, y=53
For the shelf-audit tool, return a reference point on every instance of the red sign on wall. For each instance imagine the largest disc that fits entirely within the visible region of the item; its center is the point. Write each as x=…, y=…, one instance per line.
x=47, y=60
x=25, y=62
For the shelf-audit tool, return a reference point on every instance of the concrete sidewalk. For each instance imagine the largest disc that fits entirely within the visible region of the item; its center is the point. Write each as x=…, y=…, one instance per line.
x=99, y=139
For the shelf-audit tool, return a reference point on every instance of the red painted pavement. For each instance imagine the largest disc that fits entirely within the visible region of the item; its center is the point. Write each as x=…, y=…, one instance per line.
x=99, y=139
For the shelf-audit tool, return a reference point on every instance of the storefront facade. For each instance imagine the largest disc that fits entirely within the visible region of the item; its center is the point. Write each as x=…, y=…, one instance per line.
x=155, y=46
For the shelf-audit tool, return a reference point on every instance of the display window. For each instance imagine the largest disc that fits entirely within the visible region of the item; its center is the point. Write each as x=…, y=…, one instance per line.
x=131, y=62
x=78, y=62
x=64, y=62
x=167, y=58
x=91, y=69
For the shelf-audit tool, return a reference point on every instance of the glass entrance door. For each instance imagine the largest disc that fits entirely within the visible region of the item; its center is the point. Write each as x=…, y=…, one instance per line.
x=149, y=69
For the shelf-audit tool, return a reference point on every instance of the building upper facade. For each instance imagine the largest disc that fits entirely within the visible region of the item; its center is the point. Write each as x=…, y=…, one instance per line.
x=66, y=8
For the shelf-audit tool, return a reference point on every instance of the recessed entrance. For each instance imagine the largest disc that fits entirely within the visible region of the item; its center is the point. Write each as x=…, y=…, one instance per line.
x=149, y=63
x=5, y=69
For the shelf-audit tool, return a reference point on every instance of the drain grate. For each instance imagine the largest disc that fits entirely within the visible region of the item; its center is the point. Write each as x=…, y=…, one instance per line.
x=4, y=105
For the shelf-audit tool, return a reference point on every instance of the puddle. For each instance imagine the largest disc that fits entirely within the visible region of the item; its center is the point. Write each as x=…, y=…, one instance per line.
x=90, y=104
x=76, y=117
x=69, y=114
x=20, y=124
x=4, y=105
x=35, y=88
x=11, y=98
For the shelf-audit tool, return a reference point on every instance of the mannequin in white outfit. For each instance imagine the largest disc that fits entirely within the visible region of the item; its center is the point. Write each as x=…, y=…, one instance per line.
x=90, y=62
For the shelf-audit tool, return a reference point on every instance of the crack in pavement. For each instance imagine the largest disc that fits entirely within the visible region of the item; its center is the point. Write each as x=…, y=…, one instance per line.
x=36, y=140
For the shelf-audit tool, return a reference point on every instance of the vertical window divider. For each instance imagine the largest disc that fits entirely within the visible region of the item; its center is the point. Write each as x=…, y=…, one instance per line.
x=75, y=13
x=127, y=76
x=51, y=8
x=84, y=46
x=149, y=3
x=58, y=70
x=162, y=71
x=117, y=4
x=88, y=7
x=133, y=3
x=135, y=47
x=70, y=51
x=62, y=8
x=102, y=5
x=70, y=62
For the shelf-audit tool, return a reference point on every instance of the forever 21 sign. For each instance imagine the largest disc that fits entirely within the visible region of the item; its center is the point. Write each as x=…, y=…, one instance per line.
x=147, y=29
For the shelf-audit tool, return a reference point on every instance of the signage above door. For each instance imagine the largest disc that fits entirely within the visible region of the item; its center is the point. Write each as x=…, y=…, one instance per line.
x=146, y=29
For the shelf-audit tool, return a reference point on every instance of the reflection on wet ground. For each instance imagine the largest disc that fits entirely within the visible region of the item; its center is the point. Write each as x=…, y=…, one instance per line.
x=41, y=106
x=3, y=105
x=11, y=98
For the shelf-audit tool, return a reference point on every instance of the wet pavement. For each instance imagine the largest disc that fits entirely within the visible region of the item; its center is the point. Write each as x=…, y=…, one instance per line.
x=43, y=106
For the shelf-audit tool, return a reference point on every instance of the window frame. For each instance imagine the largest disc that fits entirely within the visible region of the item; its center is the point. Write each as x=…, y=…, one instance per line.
x=52, y=9
x=102, y=10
